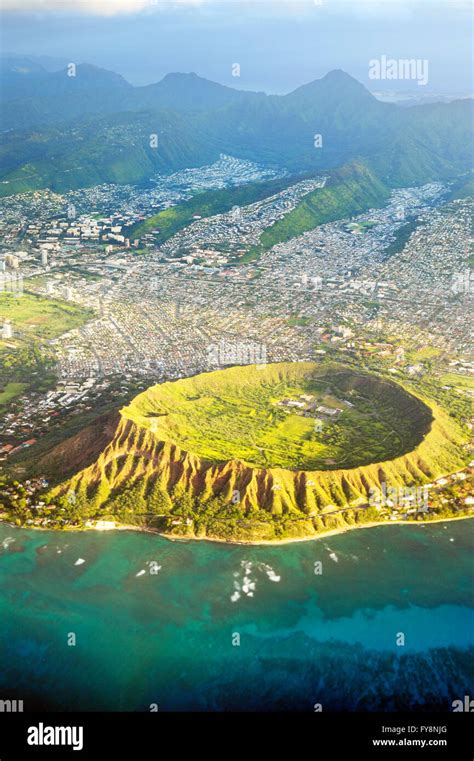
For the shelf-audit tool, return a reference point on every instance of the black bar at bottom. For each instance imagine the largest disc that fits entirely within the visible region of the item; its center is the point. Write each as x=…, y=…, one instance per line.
x=147, y=735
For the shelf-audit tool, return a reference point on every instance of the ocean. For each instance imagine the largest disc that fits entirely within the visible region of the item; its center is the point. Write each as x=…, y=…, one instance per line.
x=378, y=619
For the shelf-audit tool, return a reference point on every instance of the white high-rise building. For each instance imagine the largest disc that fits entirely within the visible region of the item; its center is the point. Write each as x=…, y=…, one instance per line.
x=68, y=293
x=44, y=258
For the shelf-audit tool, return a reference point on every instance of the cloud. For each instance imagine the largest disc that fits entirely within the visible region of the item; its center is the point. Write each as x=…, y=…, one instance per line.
x=288, y=7
x=93, y=7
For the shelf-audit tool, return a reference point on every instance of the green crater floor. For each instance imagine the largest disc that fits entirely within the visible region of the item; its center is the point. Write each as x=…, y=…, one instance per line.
x=269, y=417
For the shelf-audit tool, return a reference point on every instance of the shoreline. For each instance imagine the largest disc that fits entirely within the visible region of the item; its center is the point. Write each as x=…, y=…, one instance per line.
x=277, y=542
x=262, y=542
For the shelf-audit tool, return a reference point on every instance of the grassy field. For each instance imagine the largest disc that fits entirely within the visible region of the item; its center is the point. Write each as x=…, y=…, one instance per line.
x=427, y=352
x=11, y=391
x=39, y=318
x=298, y=322
x=458, y=381
x=239, y=415
x=25, y=360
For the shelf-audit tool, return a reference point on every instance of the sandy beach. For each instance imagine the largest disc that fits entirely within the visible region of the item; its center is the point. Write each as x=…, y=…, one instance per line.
x=276, y=542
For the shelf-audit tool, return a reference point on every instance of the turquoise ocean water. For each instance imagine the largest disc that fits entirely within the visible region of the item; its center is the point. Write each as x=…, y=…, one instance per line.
x=210, y=626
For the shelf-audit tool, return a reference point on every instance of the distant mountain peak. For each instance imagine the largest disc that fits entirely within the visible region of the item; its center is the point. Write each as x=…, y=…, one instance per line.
x=186, y=91
x=185, y=75
x=92, y=73
x=335, y=85
x=339, y=75
x=189, y=79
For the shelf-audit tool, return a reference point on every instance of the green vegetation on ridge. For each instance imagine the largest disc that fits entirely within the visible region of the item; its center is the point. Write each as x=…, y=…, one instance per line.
x=350, y=190
x=206, y=204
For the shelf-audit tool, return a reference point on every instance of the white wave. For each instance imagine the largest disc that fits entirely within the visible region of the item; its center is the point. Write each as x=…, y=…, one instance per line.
x=245, y=582
x=273, y=576
x=153, y=566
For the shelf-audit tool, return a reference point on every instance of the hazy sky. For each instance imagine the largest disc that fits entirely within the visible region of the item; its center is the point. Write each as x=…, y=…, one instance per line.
x=279, y=45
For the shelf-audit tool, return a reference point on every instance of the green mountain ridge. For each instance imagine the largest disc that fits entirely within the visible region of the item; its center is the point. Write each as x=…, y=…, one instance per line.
x=349, y=190
x=95, y=128
x=207, y=204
